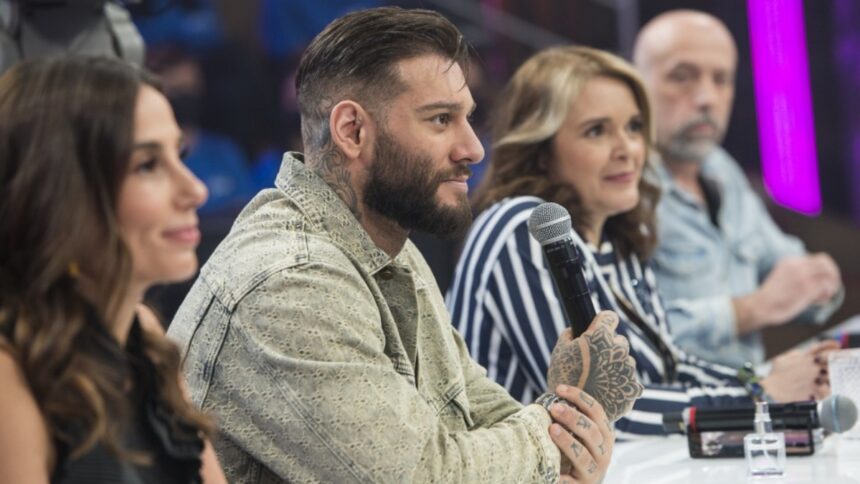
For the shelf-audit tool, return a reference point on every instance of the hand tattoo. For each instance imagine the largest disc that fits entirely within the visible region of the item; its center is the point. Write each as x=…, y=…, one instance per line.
x=592, y=466
x=576, y=447
x=586, y=399
x=598, y=365
x=583, y=422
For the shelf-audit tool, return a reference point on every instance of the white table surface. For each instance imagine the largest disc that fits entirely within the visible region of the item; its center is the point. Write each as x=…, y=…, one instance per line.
x=665, y=460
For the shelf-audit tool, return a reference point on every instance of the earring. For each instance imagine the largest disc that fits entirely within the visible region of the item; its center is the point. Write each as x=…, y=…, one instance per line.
x=74, y=270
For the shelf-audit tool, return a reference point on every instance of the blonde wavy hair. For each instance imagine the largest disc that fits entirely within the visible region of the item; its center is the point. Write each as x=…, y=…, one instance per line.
x=533, y=107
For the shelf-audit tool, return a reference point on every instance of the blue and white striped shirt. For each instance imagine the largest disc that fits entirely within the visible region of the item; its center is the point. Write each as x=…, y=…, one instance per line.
x=505, y=305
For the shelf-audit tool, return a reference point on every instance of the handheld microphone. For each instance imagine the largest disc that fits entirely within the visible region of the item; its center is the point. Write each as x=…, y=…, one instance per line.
x=549, y=224
x=836, y=413
x=720, y=432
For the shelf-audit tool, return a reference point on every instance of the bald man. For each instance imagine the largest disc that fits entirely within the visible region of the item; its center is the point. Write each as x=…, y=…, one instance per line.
x=724, y=268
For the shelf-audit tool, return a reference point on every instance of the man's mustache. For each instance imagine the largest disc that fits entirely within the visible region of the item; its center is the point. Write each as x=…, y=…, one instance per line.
x=462, y=170
x=703, y=119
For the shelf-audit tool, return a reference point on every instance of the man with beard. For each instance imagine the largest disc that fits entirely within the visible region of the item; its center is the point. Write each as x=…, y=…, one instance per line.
x=315, y=332
x=723, y=267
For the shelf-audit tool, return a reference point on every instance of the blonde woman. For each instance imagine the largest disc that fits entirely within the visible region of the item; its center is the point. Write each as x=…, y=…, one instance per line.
x=574, y=128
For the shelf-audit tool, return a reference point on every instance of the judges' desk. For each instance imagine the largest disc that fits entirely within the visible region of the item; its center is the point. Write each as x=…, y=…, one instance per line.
x=665, y=460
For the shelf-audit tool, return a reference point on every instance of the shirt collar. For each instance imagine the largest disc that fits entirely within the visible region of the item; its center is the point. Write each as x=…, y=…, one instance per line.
x=670, y=188
x=327, y=213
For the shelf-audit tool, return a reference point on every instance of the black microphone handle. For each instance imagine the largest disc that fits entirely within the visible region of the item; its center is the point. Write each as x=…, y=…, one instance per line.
x=796, y=421
x=566, y=269
x=793, y=415
x=747, y=411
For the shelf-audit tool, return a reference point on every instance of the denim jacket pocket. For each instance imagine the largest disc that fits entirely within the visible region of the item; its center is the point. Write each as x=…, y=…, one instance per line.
x=456, y=407
x=683, y=261
x=747, y=250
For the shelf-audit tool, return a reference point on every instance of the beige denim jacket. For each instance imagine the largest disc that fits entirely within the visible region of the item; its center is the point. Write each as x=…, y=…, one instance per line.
x=324, y=360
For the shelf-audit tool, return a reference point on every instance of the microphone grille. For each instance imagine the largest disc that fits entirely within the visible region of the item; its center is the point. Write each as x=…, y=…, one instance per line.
x=837, y=413
x=549, y=222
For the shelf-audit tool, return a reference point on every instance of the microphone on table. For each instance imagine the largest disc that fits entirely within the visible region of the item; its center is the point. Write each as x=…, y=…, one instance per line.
x=836, y=413
x=719, y=432
x=549, y=224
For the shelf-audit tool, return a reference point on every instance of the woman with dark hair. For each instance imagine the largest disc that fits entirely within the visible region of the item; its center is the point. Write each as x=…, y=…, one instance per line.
x=97, y=206
x=574, y=128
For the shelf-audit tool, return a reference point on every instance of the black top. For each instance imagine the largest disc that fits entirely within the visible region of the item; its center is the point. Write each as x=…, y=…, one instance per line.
x=147, y=425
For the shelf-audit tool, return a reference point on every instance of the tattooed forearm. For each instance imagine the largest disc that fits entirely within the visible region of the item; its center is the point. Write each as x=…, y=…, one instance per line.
x=330, y=165
x=598, y=365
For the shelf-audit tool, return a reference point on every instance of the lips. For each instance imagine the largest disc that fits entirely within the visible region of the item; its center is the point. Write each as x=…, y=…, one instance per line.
x=625, y=177
x=189, y=235
x=701, y=128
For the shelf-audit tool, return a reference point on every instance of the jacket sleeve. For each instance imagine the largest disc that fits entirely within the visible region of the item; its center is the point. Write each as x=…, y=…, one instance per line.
x=781, y=245
x=303, y=384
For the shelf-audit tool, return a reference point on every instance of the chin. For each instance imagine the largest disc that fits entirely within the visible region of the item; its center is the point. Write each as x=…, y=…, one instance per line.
x=172, y=272
x=456, y=201
x=184, y=273
x=625, y=206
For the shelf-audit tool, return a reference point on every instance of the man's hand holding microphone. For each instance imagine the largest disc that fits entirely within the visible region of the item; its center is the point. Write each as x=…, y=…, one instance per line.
x=594, y=381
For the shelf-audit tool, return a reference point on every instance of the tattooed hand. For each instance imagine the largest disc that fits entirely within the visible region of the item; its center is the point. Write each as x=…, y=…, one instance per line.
x=583, y=434
x=599, y=363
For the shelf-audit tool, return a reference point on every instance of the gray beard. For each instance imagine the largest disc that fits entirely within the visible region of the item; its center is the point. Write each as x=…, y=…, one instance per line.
x=683, y=151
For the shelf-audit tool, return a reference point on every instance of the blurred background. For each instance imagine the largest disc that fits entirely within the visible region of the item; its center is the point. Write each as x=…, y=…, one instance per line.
x=228, y=68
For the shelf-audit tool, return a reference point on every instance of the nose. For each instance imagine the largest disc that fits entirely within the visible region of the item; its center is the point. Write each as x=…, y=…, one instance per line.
x=627, y=144
x=468, y=149
x=706, y=93
x=192, y=191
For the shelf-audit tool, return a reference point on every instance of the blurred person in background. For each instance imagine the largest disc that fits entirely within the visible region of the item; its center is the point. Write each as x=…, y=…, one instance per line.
x=97, y=206
x=212, y=156
x=724, y=267
x=574, y=127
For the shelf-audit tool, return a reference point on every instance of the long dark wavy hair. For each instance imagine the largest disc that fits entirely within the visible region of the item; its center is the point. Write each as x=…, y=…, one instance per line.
x=533, y=108
x=66, y=134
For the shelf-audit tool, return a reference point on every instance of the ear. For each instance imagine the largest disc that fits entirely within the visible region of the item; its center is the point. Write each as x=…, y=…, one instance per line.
x=544, y=156
x=351, y=128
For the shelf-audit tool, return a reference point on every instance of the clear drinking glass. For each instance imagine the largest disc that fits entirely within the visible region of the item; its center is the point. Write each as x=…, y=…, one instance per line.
x=844, y=370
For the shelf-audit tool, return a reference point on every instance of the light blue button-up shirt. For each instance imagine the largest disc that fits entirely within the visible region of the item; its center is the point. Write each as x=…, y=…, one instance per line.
x=700, y=267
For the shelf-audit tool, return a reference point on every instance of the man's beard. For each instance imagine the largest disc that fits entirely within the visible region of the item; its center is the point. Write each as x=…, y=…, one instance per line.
x=403, y=187
x=684, y=147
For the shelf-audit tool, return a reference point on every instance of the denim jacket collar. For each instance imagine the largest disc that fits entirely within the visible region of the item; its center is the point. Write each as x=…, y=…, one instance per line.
x=671, y=189
x=311, y=193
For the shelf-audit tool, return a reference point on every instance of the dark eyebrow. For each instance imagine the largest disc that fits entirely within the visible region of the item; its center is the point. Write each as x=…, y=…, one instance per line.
x=446, y=106
x=593, y=121
x=155, y=146
x=146, y=145
x=685, y=65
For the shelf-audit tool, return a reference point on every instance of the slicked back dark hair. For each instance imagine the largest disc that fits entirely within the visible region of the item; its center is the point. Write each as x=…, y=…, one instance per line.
x=355, y=58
